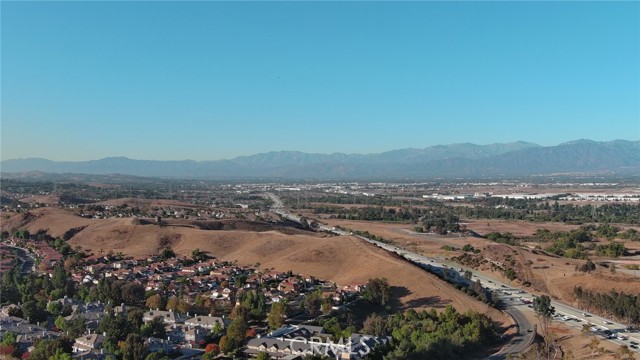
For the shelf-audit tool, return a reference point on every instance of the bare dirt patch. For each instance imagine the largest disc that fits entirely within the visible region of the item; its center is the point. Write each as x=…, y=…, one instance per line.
x=518, y=228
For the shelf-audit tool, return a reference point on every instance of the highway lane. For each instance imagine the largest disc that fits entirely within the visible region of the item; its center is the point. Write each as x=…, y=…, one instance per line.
x=517, y=297
x=509, y=292
x=523, y=338
x=518, y=343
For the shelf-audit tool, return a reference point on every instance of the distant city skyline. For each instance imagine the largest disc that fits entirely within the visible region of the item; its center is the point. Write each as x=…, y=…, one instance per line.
x=217, y=80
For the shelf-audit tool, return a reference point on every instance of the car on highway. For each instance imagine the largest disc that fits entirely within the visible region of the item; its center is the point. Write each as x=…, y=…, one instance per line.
x=585, y=315
x=606, y=322
x=622, y=337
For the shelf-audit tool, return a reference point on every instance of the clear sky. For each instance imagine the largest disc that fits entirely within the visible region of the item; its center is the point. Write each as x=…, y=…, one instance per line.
x=212, y=80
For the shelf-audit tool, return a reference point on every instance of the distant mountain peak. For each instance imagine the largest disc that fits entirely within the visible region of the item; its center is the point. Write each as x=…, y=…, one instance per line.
x=579, y=142
x=463, y=159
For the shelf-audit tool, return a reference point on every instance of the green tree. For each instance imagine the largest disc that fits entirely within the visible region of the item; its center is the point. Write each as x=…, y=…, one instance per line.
x=312, y=302
x=378, y=291
x=374, y=325
x=59, y=277
x=544, y=312
x=134, y=348
x=8, y=288
x=8, y=339
x=277, y=315
x=54, y=308
x=263, y=356
x=116, y=328
x=158, y=355
x=132, y=294
x=326, y=306
x=429, y=335
x=236, y=331
x=468, y=275
x=198, y=255
x=155, y=302
x=74, y=327
x=172, y=303
x=34, y=311
x=60, y=355
x=217, y=329
x=154, y=328
x=134, y=317
x=45, y=349
x=612, y=249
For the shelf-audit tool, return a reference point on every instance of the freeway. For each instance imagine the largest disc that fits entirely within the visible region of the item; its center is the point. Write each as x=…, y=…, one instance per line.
x=521, y=299
x=517, y=299
x=518, y=343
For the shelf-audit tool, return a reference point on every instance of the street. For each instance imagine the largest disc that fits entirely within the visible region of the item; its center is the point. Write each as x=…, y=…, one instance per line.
x=517, y=299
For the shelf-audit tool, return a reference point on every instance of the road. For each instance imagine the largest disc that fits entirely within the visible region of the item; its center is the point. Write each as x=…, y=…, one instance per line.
x=517, y=299
x=523, y=338
x=522, y=299
x=27, y=261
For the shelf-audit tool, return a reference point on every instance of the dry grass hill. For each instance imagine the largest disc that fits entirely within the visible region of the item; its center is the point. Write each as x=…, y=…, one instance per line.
x=345, y=260
x=552, y=275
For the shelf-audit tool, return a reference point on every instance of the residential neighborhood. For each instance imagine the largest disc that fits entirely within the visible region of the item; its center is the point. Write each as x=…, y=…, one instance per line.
x=181, y=304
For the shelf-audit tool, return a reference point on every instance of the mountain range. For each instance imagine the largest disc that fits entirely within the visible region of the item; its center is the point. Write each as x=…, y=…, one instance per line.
x=455, y=160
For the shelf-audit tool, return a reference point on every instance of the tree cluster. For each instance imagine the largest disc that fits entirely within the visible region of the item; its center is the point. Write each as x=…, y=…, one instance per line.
x=429, y=335
x=534, y=210
x=625, y=307
x=506, y=238
x=612, y=249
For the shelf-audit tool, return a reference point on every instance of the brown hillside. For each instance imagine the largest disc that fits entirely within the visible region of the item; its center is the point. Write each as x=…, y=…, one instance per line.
x=345, y=260
x=555, y=276
x=45, y=199
x=55, y=221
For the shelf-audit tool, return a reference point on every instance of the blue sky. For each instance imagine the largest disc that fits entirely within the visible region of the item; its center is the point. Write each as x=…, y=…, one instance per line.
x=211, y=80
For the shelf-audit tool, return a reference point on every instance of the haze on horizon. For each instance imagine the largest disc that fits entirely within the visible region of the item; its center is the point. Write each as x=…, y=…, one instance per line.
x=211, y=80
